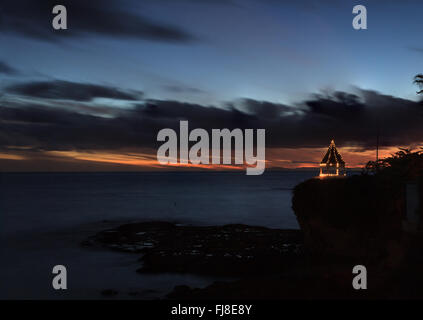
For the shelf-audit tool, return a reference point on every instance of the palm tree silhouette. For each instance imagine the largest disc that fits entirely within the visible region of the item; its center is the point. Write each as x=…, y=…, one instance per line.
x=419, y=81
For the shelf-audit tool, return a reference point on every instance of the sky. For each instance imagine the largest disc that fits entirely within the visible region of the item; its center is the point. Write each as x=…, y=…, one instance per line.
x=93, y=97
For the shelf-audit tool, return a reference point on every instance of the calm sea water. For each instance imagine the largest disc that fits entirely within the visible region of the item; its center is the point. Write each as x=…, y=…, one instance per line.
x=44, y=217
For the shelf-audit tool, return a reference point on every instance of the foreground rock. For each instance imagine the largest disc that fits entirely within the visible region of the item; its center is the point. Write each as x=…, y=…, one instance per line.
x=358, y=217
x=265, y=263
x=231, y=250
x=312, y=278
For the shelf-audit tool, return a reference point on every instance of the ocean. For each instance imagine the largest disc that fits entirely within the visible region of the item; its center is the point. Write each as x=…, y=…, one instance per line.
x=45, y=216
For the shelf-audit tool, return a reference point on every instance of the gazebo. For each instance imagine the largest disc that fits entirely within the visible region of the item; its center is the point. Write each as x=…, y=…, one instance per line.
x=332, y=163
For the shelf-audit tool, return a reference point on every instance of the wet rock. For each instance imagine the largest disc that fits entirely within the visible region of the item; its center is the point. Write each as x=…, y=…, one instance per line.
x=230, y=250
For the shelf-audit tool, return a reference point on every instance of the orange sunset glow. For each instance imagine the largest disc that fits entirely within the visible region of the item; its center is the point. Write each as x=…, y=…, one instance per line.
x=146, y=160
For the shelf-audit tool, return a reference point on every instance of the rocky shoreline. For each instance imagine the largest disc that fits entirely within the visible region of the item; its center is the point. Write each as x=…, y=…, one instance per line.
x=231, y=250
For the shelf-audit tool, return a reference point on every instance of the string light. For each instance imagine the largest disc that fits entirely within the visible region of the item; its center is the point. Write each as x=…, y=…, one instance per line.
x=333, y=161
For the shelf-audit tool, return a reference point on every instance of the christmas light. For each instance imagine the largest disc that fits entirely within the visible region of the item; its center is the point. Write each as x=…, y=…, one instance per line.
x=332, y=163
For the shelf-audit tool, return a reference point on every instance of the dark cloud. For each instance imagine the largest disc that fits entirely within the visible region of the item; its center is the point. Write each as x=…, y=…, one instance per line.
x=352, y=120
x=59, y=89
x=33, y=18
x=266, y=110
x=182, y=89
x=6, y=69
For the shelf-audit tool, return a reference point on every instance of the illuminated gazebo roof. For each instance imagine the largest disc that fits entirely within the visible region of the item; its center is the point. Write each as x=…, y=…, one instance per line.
x=332, y=156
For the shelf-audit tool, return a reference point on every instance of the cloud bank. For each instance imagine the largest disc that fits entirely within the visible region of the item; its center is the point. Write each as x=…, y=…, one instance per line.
x=6, y=69
x=32, y=18
x=70, y=91
x=353, y=120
